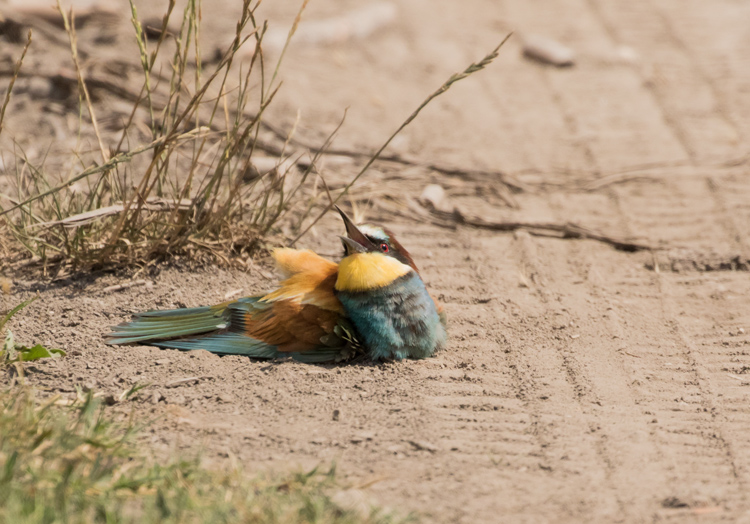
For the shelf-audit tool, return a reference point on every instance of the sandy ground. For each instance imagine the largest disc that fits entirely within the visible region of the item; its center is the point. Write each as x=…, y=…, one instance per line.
x=580, y=384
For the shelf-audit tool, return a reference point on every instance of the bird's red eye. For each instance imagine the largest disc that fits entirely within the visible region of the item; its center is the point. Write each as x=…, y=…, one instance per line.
x=384, y=247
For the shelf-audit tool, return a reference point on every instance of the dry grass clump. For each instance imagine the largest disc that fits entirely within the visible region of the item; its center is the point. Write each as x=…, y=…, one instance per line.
x=190, y=186
x=182, y=176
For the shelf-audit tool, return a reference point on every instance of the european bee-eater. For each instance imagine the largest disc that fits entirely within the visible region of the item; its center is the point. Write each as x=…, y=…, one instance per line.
x=373, y=302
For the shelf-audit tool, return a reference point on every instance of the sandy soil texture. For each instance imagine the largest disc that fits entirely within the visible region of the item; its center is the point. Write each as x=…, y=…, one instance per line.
x=581, y=383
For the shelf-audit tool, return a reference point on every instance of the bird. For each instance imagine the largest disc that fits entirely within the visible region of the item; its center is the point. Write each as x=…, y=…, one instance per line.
x=372, y=304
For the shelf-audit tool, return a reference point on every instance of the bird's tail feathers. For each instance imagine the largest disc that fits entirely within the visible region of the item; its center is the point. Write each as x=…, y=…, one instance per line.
x=224, y=344
x=162, y=325
x=218, y=329
x=222, y=329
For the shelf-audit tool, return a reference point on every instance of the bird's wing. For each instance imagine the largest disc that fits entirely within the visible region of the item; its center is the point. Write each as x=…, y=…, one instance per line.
x=309, y=280
x=304, y=308
x=302, y=318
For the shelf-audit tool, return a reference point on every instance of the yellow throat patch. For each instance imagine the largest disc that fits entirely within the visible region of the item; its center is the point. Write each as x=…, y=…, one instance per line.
x=364, y=271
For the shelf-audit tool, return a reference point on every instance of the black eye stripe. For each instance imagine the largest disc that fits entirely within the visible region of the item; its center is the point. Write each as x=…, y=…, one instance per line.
x=377, y=241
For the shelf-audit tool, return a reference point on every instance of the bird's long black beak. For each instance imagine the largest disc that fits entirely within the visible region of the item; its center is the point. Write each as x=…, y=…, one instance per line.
x=355, y=241
x=352, y=246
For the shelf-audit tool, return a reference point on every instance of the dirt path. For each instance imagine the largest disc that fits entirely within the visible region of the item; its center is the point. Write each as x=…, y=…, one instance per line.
x=579, y=384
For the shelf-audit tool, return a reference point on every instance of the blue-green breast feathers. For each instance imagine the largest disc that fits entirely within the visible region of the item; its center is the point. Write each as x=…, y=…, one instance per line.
x=396, y=321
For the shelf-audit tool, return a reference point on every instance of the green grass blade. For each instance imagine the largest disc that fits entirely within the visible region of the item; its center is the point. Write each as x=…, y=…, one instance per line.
x=15, y=310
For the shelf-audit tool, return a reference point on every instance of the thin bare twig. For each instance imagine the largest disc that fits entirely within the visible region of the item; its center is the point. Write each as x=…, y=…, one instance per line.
x=182, y=381
x=546, y=229
x=16, y=71
x=126, y=285
x=156, y=204
x=70, y=29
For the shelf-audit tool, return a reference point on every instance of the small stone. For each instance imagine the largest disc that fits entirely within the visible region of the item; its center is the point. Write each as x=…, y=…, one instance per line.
x=547, y=51
x=156, y=397
x=432, y=196
x=421, y=445
x=674, y=502
x=627, y=55
x=336, y=415
x=362, y=437
x=227, y=398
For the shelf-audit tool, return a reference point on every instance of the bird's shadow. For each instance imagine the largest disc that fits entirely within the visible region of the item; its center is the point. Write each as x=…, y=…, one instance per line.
x=360, y=361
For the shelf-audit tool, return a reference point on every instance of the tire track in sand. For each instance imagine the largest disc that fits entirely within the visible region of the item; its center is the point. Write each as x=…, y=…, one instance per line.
x=502, y=401
x=701, y=316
